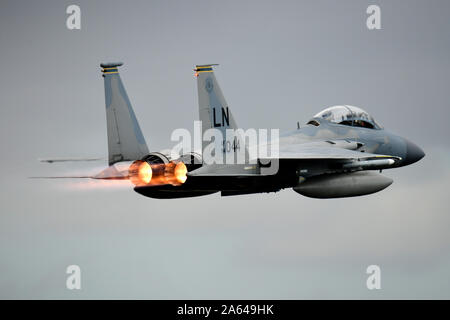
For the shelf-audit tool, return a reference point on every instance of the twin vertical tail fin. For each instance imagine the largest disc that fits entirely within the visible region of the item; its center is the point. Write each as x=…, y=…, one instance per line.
x=125, y=139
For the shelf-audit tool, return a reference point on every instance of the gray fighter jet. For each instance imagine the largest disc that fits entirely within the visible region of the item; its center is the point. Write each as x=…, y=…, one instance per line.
x=340, y=152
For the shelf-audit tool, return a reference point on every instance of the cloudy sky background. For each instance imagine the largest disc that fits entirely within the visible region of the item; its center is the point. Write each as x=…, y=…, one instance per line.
x=280, y=62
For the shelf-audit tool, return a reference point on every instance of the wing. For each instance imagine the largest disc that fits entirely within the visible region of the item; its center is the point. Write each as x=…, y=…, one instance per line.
x=335, y=157
x=340, y=159
x=323, y=150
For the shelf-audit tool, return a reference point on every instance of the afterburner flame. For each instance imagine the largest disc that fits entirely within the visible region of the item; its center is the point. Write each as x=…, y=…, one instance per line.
x=141, y=173
x=180, y=172
x=159, y=177
x=145, y=172
x=175, y=173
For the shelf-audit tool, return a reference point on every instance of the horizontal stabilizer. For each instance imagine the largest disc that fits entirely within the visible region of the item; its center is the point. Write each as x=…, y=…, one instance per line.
x=118, y=171
x=51, y=160
x=61, y=177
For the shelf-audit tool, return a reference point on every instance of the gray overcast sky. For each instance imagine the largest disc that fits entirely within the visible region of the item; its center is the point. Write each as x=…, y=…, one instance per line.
x=280, y=62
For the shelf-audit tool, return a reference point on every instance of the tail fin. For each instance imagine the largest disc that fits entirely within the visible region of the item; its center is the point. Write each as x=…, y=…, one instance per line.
x=213, y=109
x=125, y=139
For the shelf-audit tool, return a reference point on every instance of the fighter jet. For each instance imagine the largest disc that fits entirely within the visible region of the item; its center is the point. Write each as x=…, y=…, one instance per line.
x=340, y=152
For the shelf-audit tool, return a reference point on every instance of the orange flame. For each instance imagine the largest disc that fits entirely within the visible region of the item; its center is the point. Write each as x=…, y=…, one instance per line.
x=143, y=174
x=180, y=172
x=140, y=173
x=175, y=173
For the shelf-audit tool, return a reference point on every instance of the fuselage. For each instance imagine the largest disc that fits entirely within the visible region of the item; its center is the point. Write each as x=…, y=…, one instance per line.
x=369, y=140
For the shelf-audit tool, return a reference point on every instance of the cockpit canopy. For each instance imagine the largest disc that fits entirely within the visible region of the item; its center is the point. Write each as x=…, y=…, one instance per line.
x=347, y=115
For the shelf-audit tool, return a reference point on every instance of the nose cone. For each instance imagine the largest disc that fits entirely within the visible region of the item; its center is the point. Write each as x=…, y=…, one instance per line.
x=413, y=153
